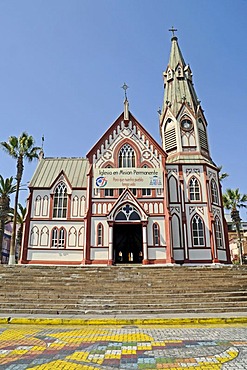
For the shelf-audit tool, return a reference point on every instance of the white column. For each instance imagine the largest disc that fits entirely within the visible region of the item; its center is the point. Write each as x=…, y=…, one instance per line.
x=110, y=255
x=144, y=240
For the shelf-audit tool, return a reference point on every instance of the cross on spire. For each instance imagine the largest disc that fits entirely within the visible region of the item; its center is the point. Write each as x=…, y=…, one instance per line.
x=125, y=87
x=173, y=30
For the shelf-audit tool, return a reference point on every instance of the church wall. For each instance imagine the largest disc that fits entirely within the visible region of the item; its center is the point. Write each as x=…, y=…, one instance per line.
x=95, y=221
x=40, y=238
x=157, y=254
x=61, y=255
x=161, y=223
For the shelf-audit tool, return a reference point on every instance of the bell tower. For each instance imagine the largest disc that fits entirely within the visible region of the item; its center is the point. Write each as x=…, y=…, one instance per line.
x=198, y=230
x=183, y=126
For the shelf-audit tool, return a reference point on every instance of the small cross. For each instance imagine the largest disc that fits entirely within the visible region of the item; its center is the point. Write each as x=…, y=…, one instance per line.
x=173, y=30
x=125, y=87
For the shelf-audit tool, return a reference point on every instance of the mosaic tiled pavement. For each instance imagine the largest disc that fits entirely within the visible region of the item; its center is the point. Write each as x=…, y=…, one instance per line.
x=123, y=347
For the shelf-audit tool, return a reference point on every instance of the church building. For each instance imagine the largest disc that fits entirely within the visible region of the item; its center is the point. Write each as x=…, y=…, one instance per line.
x=133, y=200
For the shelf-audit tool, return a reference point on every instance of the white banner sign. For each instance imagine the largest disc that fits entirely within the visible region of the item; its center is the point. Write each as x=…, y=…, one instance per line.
x=115, y=178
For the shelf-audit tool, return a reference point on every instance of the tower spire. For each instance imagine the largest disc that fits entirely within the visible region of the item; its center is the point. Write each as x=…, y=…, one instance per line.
x=178, y=84
x=182, y=122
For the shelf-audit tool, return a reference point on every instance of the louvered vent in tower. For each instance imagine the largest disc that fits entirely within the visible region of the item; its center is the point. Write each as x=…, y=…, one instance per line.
x=170, y=140
x=203, y=139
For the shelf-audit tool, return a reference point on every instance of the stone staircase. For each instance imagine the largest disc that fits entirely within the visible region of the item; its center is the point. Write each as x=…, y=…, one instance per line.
x=122, y=290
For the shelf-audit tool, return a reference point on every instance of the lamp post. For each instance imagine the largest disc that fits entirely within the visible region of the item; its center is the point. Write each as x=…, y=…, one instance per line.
x=237, y=221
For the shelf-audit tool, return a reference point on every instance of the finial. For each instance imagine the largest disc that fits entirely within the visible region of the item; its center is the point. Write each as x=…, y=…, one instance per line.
x=173, y=30
x=41, y=153
x=42, y=141
x=125, y=87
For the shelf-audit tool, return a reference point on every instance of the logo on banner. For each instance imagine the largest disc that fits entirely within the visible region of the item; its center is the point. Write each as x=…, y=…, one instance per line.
x=155, y=181
x=101, y=181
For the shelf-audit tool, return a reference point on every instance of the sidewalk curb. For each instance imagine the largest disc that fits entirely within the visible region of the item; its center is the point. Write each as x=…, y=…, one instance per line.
x=134, y=321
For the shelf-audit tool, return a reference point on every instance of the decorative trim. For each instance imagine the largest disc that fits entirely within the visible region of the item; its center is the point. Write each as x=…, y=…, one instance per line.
x=193, y=170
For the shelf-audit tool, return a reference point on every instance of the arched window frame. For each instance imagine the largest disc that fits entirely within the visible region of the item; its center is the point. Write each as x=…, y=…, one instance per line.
x=126, y=156
x=198, y=231
x=194, y=189
x=218, y=233
x=156, y=234
x=214, y=192
x=58, y=238
x=127, y=213
x=37, y=207
x=100, y=235
x=60, y=201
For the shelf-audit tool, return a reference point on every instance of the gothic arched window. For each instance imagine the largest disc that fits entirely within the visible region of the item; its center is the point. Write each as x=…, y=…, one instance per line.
x=60, y=201
x=156, y=234
x=100, y=235
x=58, y=237
x=126, y=156
x=127, y=213
x=194, y=189
x=214, y=192
x=198, y=232
x=218, y=233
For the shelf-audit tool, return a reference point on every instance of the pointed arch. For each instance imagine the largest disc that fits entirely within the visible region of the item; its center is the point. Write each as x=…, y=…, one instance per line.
x=72, y=237
x=81, y=237
x=176, y=232
x=194, y=189
x=44, y=236
x=218, y=233
x=156, y=234
x=82, y=206
x=37, y=206
x=214, y=192
x=100, y=235
x=198, y=231
x=60, y=201
x=45, y=206
x=75, y=206
x=34, y=236
x=126, y=156
x=127, y=213
x=58, y=237
x=173, y=189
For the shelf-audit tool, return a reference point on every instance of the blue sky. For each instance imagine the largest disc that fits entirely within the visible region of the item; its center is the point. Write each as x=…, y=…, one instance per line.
x=63, y=62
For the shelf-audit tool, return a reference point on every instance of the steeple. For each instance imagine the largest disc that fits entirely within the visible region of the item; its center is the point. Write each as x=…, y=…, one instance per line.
x=178, y=83
x=182, y=123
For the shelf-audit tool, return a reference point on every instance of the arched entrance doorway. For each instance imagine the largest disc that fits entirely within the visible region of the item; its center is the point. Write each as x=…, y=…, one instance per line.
x=127, y=235
x=127, y=243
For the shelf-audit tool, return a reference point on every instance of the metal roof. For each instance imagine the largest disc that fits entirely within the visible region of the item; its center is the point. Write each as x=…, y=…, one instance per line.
x=48, y=169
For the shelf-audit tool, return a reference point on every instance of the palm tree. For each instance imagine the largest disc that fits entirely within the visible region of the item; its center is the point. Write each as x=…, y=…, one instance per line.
x=233, y=200
x=20, y=148
x=6, y=189
x=222, y=175
x=20, y=221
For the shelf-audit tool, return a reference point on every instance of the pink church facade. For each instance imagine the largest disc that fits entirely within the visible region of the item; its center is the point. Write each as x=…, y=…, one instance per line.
x=133, y=200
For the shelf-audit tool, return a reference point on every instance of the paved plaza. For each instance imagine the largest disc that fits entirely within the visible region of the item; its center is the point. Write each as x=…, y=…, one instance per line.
x=123, y=347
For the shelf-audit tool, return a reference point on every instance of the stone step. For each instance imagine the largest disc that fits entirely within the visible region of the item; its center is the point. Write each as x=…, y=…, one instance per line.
x=135, y=312
x=110, y=295
x=121, y=290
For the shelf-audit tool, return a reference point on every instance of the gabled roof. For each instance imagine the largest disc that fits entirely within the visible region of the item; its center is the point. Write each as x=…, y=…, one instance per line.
x=114, y=126
x=127, y=197
x=48, y=169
